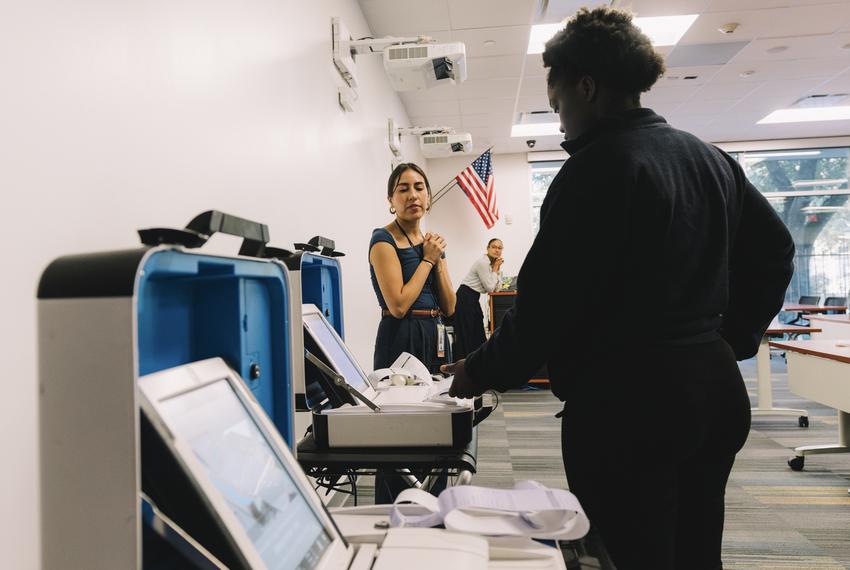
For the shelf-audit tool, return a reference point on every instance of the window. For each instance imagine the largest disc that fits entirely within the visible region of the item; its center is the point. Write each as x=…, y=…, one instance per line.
x=542, y=174
x=809, y=190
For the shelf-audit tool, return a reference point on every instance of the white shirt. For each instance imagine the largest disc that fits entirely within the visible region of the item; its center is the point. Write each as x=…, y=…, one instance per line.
x=481, y=278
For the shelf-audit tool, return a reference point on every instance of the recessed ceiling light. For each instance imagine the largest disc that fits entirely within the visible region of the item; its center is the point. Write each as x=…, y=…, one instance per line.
x=535, y=129
x=728, y=28
x=662, y=30
x=489, y=43
x=777, y=49
x=807, y=114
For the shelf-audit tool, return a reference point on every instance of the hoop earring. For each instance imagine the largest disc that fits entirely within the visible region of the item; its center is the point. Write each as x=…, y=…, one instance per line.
x=392, y=210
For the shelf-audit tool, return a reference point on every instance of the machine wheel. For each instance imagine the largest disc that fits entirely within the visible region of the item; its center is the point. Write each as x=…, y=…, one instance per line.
x=803, y=421
x=796, y=463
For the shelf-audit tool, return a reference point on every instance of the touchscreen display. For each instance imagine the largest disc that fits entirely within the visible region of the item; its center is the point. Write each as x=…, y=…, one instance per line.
x=240, y=462
x=340, y=359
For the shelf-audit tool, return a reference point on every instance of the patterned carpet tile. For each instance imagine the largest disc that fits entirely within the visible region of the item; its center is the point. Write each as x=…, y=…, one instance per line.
x=775, y=517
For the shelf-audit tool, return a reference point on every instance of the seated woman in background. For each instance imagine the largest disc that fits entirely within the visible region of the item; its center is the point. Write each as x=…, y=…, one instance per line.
x=484, y=277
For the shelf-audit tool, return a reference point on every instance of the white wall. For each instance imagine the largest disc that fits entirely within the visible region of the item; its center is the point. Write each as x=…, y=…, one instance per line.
x=117, y=115
x=455, y=218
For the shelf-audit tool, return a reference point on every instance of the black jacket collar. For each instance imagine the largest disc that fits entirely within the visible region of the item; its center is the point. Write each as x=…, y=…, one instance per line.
x=631, y=119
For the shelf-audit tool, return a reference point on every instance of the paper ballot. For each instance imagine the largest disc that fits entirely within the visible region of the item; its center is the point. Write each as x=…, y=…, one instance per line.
x=529, y=509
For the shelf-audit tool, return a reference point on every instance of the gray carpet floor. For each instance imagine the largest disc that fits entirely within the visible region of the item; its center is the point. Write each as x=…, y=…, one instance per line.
x=775, y=517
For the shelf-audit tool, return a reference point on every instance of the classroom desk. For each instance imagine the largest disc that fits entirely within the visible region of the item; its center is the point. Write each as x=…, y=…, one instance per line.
x=795, y=308
x=833, y=327
x=765, y=388
x=500, y=302
x=818, y=370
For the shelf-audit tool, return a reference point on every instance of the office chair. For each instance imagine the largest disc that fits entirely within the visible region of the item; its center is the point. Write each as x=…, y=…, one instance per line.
x=804, y=300
x=835, y=302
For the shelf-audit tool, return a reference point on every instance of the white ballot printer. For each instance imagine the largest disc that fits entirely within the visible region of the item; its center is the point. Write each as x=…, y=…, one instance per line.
x=255, y=508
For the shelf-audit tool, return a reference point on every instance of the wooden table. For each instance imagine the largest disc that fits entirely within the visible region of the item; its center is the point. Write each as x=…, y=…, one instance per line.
x=765, y=386
x=795, y=308
x=495, y=299
x=833, y=327
x=819, y=370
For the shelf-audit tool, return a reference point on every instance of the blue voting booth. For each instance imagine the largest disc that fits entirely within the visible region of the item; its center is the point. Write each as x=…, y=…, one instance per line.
x=105, y=319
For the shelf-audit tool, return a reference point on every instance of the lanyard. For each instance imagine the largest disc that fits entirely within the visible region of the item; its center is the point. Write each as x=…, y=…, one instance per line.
x=407, y=237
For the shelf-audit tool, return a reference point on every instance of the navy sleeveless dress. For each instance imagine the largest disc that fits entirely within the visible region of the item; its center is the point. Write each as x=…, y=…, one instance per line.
x=414, y=335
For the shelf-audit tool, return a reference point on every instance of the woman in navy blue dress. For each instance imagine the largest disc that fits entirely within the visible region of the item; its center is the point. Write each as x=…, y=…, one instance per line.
x=410, y=276
x=412, y=283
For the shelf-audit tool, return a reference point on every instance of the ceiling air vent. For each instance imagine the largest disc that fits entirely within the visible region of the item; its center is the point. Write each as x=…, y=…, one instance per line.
x=408, y=52
x=820, y=100
x=435, y=139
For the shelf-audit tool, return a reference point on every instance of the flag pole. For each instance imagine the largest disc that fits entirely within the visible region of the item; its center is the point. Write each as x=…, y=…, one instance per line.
x=452, y=183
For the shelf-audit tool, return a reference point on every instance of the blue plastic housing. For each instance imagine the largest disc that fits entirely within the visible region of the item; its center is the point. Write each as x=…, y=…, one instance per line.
x=321, y=285
x=191, y=307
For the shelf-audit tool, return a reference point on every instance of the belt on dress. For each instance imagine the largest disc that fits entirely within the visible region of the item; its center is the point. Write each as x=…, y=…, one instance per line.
x=425, y=313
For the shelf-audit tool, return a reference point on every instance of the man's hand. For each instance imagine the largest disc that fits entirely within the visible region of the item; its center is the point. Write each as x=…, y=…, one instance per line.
x=462, y=385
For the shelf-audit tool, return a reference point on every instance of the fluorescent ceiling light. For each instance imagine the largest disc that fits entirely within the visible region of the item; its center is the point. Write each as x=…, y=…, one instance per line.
x=819, y=182
x=780, y=154
x=536, y=130
x=807, y=114
x=662, y=30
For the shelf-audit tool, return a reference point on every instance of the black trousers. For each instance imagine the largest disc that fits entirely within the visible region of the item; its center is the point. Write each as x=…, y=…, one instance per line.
x=648, y=446
x=468, y=322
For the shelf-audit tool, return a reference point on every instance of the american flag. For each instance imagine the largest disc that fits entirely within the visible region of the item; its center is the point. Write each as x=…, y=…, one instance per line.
x=476, y=181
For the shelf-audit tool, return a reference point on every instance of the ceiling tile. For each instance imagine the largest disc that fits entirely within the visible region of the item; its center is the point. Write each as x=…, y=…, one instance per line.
x=487, y=105
x=769, y=23
x=494, y=67
x=533, y=103
x=453, y=121
x=428, y=108
x=508, y=40
x=697, y=106
x=465, y=14
x=558, y=10
x=478, y=88
x=755, y=105
x=533, y=87
x=441, y=93
x=699, y=75
x=731, y=5
x=405, y=17
x=780, y=70
x=491, y=120
x=534, y=65
x=839, y=84
x=704, y=54
x=792, y=88
x=802, y=47
x=669, y=94
x=729, y=90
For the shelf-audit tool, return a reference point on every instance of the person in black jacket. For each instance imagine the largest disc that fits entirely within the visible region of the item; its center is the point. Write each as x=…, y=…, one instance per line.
x=661, y=224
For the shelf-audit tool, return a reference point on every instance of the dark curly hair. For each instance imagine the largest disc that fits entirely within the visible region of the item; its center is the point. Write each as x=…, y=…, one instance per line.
x=604, y=44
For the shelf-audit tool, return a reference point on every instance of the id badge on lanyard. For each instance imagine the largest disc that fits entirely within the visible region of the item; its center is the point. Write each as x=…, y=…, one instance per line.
x=441, y=340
